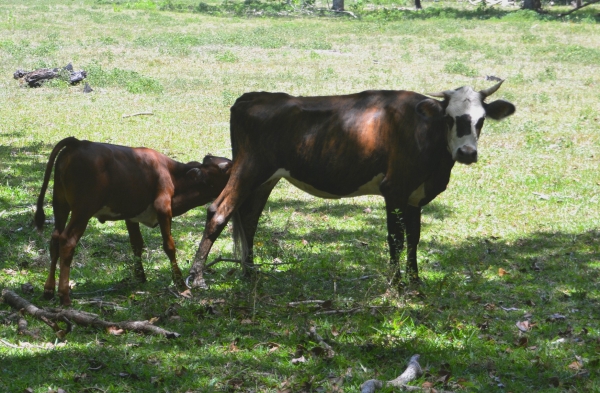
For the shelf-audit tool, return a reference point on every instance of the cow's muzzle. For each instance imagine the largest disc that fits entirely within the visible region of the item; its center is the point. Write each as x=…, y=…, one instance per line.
x=466, y=154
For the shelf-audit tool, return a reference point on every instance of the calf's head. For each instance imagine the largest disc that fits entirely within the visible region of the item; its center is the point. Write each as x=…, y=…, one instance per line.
x=212, y=175
x=464, y=111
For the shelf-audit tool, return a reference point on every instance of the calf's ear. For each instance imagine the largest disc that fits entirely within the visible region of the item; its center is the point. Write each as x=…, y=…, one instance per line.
x=430, y=108
x=499, y=109
x=196, y=174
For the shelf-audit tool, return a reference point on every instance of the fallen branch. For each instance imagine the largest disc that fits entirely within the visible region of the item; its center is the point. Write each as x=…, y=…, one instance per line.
x=37, y=77
x=412, y=372
x=139, y=114
x=81, y=318
x=578, y=8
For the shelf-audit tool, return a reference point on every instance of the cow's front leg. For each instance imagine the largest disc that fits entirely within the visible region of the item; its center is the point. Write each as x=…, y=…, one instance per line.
x=412, y=224
x=137, y=245
x=395, y=238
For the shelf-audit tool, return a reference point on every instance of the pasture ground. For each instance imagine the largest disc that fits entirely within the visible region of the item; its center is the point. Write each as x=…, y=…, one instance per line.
x=515, y=238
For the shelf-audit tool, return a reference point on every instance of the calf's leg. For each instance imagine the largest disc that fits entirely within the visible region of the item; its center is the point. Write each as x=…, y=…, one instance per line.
x=137, y=245
x=164, y=215
x=68, y=239
x=61, y=214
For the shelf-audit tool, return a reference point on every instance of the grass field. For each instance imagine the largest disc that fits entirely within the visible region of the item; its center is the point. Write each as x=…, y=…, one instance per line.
x=515, y=238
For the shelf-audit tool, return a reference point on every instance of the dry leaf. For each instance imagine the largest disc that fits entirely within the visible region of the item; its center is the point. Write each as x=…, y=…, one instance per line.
x=153, y=320
x=334, y=331
x=367, y=210
x=502, y=272
x=186, y=294
x=556, y=317
x=427, y=385
x=273, y=347
x=305, y=242
x=179, y=371
x=522, y=342
x=575, y=365
x=115, y=331
x=246, y=322
x=235, y=383
x=554, y=381
x=524, y=326
x=299, y=360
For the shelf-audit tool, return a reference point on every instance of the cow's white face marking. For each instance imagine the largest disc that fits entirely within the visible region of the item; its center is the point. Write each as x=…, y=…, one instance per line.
x=369, y=188
x=465, y=114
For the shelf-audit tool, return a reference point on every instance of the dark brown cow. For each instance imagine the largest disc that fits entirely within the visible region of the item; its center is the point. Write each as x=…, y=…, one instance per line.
x=111, y=183
x=397, y=144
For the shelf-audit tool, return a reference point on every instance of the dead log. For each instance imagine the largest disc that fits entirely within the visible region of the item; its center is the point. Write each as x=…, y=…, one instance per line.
x=81, y=318
x=412, y=372
x=37, y=77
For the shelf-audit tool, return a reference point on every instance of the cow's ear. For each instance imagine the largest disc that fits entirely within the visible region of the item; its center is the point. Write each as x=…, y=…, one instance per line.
x=499, y=109
x=430, y=108
x=196, y=174
x=225, y=165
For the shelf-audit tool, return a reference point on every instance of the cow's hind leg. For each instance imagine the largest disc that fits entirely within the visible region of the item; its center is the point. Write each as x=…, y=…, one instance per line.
x=61, y=215
x=245, y=222
x=218, y=215
x=137, y=245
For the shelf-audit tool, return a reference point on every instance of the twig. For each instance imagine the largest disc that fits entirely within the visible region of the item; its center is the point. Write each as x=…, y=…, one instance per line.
x=312, y=332
x=294, y=304
x=81, y=318
x=345, y=12
x=111, y=289
x=350, y=311
x=138, y=114
x=221, y=259
x=578, y=8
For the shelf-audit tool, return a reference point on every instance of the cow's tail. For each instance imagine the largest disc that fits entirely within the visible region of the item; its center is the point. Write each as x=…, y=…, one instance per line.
x=40, y=217
x=240, y=244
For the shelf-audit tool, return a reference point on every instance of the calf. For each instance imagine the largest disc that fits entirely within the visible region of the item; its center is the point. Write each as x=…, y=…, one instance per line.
x=111, y=183
x=397, y=144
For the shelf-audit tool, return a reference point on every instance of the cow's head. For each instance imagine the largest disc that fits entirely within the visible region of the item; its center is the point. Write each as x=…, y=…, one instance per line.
x=465, y=110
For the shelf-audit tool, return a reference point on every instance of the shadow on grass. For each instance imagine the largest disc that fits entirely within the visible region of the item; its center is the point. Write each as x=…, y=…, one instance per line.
x=548, y=272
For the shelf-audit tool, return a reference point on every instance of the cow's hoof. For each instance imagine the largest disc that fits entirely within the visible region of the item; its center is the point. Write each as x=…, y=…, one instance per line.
x=48, y=294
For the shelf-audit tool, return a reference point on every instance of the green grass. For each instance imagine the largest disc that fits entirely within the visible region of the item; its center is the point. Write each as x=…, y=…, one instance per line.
x=530, y=206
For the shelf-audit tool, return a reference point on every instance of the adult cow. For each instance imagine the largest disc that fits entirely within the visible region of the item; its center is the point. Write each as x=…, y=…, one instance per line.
x=397, y=144
x=111, y=183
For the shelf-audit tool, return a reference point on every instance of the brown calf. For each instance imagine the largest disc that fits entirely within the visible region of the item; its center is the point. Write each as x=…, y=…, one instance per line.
x=111, y=183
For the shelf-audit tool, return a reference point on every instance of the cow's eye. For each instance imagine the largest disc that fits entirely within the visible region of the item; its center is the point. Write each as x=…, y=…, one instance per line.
x=479, y=126
x=450, y=122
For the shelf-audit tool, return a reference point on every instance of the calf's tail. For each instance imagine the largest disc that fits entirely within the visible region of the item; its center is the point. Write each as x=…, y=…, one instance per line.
x=240, y=244
x=40, y=217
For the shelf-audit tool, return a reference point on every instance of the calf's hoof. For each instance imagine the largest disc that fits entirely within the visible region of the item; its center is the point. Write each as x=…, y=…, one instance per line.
x=48, y=294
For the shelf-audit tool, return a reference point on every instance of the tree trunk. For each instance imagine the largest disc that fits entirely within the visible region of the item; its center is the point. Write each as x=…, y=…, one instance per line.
x=532, y=5
x=418, y=5
x=338, y=5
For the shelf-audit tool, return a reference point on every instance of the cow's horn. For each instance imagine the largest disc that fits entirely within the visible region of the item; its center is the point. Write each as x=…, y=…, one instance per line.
x=491, y=90
x=441, y=94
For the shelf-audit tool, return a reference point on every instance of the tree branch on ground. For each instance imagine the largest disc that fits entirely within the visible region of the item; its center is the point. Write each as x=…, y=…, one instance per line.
x=412, y=372
x=81, y=318
x=578, y=8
